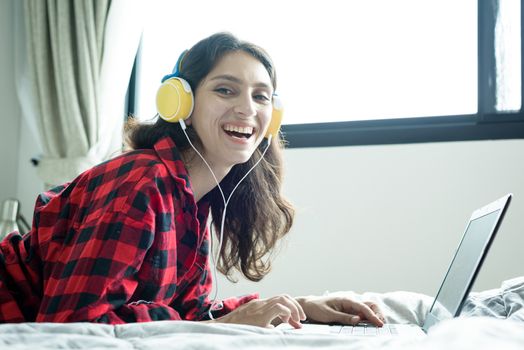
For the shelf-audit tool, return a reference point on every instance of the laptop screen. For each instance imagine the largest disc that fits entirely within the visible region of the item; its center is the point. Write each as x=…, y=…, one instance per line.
x=462, y=269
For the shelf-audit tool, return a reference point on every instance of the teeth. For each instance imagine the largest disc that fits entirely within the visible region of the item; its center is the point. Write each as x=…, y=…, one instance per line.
x=243, y=130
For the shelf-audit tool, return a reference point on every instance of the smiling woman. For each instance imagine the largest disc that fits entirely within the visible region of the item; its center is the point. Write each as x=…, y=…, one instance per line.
x=233, y=83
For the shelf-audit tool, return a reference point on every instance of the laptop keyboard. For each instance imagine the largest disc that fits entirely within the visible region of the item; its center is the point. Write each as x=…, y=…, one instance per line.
x=370, y=330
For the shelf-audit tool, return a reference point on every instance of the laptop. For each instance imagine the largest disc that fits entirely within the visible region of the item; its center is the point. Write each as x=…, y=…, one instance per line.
x=454, y=289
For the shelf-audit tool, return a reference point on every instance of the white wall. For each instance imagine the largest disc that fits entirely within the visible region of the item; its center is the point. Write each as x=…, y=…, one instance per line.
x=385, y=218
x=375, y=218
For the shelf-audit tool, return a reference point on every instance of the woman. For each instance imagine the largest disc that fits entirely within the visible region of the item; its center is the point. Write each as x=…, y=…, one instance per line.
x=127, y=241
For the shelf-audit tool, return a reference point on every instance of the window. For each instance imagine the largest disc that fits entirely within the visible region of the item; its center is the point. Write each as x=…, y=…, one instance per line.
x=366, y=71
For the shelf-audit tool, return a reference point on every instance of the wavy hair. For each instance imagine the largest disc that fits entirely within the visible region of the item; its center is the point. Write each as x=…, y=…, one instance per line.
x=258, y=214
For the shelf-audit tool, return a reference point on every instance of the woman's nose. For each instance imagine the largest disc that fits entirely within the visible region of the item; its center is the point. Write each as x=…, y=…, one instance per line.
x=245, y=107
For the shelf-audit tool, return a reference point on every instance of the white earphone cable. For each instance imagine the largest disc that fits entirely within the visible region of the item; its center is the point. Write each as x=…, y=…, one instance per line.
x=226, y=202
x=183, y=125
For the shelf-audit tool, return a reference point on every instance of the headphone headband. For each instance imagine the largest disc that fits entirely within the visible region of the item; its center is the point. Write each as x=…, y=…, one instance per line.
x=176, y=69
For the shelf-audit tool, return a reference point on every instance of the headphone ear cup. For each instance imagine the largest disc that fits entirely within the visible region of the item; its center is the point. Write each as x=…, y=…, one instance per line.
x=276, y=117
x=174, y=100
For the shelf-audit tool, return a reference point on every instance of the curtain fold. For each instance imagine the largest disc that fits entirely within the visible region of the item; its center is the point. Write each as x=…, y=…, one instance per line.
x=73, y=50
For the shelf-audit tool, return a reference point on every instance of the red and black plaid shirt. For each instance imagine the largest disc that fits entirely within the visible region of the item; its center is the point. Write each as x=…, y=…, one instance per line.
x=124, y=242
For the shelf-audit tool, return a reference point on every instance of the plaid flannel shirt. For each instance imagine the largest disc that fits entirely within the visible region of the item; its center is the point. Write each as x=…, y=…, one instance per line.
x=123, y=242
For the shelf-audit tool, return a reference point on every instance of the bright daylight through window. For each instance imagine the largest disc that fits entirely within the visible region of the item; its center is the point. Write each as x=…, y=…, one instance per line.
x=341, y=61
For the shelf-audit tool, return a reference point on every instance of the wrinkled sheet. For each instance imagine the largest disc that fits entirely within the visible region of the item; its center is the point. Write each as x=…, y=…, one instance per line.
x=492, y=319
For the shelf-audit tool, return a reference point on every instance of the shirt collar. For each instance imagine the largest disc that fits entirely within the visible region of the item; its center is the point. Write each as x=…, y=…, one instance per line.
x=170, y=156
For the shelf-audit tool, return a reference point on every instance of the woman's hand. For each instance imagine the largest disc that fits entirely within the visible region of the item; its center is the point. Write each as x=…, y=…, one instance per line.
x=343, y=310
x=267, y=312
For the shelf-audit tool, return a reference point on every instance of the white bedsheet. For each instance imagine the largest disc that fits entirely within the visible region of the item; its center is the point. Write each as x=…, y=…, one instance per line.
x=492, y=319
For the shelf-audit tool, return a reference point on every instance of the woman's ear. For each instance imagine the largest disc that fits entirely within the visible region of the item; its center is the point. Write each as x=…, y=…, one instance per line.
x=189, y=120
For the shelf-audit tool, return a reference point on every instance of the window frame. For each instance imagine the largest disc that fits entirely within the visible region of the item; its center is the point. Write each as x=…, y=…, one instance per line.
x=486, y=124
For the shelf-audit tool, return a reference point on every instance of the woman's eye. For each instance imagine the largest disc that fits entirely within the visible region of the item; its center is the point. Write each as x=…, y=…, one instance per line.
x=224, y=91
x=262, y=98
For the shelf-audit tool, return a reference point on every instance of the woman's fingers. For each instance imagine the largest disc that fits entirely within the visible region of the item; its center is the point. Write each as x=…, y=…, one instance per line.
x=267, y=312
x=376, y=310
x=301, y=312
x=362, y=310
x=344, y=317
x=280, y=311
x=287, y=309
x=295, y=306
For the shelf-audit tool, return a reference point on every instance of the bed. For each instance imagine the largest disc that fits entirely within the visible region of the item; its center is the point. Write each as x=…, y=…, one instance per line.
x=491, y=319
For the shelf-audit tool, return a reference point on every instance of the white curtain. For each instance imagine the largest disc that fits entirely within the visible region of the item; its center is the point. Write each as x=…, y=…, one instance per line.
x=72, y=71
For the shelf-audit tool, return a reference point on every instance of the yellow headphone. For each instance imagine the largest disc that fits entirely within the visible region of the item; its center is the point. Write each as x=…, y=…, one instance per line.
x=174, y=101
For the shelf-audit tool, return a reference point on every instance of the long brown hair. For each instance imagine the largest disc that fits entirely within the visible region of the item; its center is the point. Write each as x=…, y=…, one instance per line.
x=257, y=214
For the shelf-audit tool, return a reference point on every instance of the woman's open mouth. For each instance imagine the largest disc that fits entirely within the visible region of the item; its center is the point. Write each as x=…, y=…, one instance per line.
x=239, y=132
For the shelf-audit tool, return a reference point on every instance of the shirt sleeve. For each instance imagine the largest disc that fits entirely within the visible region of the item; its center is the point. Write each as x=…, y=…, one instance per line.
x=96, y=276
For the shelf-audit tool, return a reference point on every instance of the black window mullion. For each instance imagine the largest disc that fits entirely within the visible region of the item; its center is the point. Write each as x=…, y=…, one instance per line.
x=487, y=84
x=131, y=102
x=521, y=60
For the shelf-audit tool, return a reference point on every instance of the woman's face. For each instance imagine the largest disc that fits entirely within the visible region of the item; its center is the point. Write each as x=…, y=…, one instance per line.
x=232, y=109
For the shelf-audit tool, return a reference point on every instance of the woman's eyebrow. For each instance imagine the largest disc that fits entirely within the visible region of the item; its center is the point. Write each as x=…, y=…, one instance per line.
x=234, y=79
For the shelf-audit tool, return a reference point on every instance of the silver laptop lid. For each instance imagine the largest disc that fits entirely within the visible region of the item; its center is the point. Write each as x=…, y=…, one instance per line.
x=466, y=263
